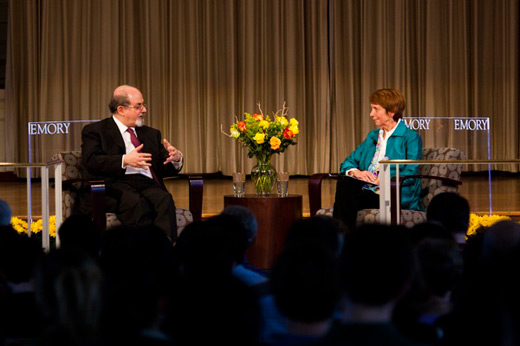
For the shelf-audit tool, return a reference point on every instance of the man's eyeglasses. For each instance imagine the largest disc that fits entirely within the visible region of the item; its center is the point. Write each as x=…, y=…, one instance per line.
x=138, y=106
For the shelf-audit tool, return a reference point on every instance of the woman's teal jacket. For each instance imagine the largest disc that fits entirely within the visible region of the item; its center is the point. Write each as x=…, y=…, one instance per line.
x=403, y=144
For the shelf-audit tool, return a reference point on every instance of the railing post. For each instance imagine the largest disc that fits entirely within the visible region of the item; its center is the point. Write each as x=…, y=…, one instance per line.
x=384, y=194
x=397, y=197
x=58, y=199
x=29, y=204
x=45, y=208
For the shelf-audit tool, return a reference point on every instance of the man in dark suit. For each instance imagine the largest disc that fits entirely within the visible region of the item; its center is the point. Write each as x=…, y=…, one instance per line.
x=133, y=161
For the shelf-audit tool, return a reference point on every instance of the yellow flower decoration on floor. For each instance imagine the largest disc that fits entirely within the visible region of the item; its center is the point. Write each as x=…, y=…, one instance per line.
x=22, y=226
x=485, y=221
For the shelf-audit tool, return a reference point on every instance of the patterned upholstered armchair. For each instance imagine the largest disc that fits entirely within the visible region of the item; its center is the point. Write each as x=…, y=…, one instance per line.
x=74, y=186
x=435, y=179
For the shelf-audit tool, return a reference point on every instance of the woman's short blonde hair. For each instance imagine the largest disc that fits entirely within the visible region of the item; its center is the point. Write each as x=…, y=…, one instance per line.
x=391, y=100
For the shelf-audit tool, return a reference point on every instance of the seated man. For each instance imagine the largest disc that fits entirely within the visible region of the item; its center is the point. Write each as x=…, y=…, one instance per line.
x=133, y=162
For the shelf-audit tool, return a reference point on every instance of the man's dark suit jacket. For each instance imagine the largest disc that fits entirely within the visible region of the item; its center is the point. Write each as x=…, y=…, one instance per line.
x=103, y=147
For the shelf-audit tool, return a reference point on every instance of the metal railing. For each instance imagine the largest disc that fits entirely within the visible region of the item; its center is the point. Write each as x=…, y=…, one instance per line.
x=45, y=196
x=385, y=193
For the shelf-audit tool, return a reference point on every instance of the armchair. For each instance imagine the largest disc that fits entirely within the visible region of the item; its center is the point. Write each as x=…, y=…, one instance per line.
x=74, y=185
x=435, y=179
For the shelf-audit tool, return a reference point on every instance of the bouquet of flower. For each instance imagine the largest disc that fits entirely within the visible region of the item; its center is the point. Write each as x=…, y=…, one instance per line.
x=264, y=136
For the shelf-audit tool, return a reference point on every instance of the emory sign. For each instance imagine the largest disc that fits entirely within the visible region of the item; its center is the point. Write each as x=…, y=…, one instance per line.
x=459, y=124
x=51, y=128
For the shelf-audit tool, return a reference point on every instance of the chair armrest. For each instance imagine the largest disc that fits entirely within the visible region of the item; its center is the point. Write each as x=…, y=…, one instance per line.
x=68, y=185
x=196, y=190
x=97, y=195
x=446, y=181
x=315, y=190
x=195, y=193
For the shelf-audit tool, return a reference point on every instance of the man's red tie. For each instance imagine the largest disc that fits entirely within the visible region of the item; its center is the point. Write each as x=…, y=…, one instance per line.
x=136, y=142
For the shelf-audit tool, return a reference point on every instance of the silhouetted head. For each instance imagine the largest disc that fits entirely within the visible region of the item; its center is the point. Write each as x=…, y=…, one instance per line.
x=451, y=211
x=246, y=218
x=321, y=230
x=377, y=264
x=5, y=213
x=305, y=282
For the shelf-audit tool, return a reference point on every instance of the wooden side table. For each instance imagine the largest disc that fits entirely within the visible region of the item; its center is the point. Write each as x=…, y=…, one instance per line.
x=275, y=215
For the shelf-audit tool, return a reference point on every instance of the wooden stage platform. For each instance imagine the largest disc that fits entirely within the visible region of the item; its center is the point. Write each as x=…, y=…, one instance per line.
x=505, y=187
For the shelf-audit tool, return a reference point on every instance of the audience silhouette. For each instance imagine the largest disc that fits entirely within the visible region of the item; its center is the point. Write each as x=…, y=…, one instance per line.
x=372, y=285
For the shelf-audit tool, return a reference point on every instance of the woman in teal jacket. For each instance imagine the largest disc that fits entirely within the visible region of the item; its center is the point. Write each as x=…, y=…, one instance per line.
x=392, y=140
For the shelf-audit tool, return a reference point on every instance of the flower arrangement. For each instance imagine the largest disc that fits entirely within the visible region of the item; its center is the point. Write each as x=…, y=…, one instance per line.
x=264, y=136
x=22, y=226
x=478, y=224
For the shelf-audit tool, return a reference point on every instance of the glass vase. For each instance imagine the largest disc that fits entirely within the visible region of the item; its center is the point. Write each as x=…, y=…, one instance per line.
x=263, y=175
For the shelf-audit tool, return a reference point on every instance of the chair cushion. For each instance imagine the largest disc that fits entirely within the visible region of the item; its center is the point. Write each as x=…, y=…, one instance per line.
x=70, y=169
x=112, y=220
x=184, y=218
x=325, y=211
x=434, y=187
x=408, y=217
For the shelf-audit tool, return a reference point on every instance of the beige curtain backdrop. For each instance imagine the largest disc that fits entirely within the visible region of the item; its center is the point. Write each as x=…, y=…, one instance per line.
x=200, y=63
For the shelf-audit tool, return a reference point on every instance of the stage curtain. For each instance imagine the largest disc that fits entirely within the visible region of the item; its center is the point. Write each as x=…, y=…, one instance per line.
x=200, y=63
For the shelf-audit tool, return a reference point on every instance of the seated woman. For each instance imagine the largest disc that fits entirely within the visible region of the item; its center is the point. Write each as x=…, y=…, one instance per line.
x=393, y=140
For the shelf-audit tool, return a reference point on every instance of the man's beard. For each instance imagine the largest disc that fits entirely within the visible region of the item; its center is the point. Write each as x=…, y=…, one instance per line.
x=139, y=122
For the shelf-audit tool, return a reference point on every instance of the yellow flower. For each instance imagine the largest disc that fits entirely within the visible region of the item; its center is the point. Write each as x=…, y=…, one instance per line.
x=259, y=138
x=294, y=129
x=234, y=132
x=19, y=229
x=275, y=143
x=19, y=225
x=294, y=122
x=485, y=221
x=283, y=121
x=52, y=226
x=36, y=227
x=264, y=124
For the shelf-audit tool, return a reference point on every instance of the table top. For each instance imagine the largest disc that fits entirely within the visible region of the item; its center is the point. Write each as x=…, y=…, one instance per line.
x=273, y=195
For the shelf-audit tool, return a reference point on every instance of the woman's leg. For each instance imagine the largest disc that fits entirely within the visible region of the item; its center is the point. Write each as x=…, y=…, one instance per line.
x=351, y=197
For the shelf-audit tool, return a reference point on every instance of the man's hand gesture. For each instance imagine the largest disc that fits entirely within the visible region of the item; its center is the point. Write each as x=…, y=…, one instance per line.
x=175, y=155
x=137, y=159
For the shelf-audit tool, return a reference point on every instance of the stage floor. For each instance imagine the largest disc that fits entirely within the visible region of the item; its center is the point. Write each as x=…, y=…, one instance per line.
x=505, y=188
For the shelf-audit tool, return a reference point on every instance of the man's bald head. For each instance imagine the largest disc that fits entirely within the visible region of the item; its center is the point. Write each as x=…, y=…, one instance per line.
x=127, y=105
x=122, y=96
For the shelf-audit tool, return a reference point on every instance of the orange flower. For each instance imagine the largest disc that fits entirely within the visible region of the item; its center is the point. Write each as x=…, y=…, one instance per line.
x=258, y=117
x=275, y=143
x=242, y=126
x=288, y=134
